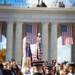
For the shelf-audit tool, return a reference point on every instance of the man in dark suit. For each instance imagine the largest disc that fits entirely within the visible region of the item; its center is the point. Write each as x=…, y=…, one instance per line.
x=37, y=67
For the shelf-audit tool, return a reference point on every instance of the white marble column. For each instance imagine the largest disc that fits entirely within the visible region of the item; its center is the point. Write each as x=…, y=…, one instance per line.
x=53, y=53
x=9, y=44
x=45, y=41
x=73, y=49
x=18, y=42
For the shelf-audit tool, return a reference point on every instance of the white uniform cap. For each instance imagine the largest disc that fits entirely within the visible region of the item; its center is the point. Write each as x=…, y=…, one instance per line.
x=38, y=33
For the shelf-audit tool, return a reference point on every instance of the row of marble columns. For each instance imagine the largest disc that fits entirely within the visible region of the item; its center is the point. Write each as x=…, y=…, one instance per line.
x=15, y=53
x=48, y=54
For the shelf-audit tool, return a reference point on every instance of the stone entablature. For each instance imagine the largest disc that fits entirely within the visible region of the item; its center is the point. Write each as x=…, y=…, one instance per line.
x=23, y=14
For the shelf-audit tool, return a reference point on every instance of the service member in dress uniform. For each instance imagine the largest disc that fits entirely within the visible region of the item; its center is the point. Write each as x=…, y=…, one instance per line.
x=49, y=69
x=37, y=67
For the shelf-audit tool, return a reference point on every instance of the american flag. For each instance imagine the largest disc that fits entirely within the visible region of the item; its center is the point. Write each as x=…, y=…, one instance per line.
x=39, y=48
x=34, y=57
x=66, y=34
x=0, y=32
x=31, y=33
x=39, y=55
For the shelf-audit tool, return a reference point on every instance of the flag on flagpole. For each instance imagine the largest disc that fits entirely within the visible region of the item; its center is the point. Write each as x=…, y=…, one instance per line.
x=28, y=50
x=66, y=31
x=25, y=60
x=0, y=32
x=39, y=48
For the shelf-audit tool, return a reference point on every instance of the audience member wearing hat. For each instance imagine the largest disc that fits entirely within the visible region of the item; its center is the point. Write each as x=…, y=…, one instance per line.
x=37, y=67
x=49, y=69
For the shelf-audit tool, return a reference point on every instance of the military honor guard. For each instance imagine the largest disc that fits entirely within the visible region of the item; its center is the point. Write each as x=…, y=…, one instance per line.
x=37, y=67
x=49, y=69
